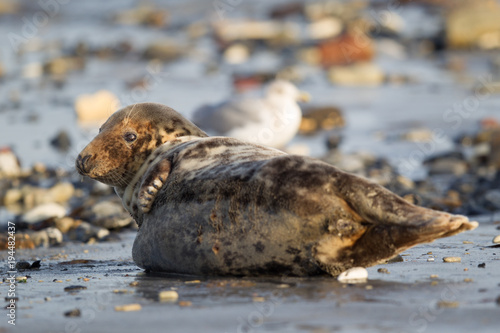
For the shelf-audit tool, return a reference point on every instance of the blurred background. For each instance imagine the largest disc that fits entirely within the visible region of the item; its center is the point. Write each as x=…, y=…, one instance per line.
x=404, y=92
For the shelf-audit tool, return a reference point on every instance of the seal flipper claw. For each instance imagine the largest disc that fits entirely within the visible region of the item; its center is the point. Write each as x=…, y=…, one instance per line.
x=152, y=183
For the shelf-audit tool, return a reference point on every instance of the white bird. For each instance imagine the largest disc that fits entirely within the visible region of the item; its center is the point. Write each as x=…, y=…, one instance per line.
x=9, y=163
x=270, y=121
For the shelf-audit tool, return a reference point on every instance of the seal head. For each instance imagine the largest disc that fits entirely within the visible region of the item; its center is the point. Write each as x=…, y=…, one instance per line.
x=126, y=140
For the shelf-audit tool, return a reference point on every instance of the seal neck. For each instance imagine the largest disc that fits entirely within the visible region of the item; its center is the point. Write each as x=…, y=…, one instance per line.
x=130, y=193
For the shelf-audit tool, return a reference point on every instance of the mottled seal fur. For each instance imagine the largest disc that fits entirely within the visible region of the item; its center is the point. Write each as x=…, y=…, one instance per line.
x=220, y=206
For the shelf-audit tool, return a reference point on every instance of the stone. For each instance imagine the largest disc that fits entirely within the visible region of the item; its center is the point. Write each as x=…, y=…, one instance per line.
x=287, y=9
x=237, y=53
x=73, y=313
x=354, y=275
x=61, y=66
x=361, y=74
x=168, y=296
x=452, y=166
x=419, y=135
x=228, y=31
x=496, y=240
x=23, y=265
x=165, y=50
x=54, y=235
x=96, y=107
x=12, y=196
x=321, y=118
x=325, y=28
x=452, y=259
x=143, y=15
x=492, y=199
x=128, y=307
x=108, y=215
x=473, y=25
x=85, y=231
x=345, y=50
x=61, y=192
x=61, y=141
x=64, y=224
x=43, y=212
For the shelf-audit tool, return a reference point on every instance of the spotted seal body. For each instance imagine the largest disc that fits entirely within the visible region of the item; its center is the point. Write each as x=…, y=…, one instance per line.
x=220, y=206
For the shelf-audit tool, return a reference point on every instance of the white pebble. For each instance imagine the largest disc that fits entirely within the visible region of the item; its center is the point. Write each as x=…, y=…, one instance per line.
x=168, y=295
x=43, y=212
x=496, y=240
x=354, y=275
x=452, y=259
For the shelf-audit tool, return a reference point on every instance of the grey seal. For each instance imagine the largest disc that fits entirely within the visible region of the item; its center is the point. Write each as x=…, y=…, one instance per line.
x=221, y=206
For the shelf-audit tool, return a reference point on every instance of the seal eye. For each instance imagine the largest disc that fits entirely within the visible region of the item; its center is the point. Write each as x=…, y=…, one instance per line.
x=130, y=137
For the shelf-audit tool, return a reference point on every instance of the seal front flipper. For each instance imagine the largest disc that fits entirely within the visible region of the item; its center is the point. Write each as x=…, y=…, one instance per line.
x=152, y=183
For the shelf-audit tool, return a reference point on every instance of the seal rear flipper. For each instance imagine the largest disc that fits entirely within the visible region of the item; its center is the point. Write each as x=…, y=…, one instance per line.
x=377, y=243
x=152, y=183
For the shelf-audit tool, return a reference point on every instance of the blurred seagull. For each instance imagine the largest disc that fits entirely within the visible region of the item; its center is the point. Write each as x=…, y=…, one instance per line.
x=271, y=121
x=9, y=163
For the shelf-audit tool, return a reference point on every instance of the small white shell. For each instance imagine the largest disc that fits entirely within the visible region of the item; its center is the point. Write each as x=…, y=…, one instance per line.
x=354, y=275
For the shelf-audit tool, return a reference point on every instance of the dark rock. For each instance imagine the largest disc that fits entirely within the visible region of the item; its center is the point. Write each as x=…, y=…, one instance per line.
x=321, y=118
x=482, y=265
x=289, y=9
x=73, y=313
x=75, y=288
x=61, y=141
x=345, y=50
x=23, y=265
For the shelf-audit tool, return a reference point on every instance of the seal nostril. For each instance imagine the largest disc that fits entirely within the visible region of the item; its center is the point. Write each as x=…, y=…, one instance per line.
x=81, y=163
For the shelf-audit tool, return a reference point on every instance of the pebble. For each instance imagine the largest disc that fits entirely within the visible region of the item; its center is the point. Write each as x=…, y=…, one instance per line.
x=23, y=265
x=321, y=118
x=482, y=265
x=228, y=32
x=73, y=313
x=142, y=15
x=434, y=276
x=466, y=25
x=237, y=53
x=345, y=50
x=168, y=295
x=128, y=307
x=446, y=304
x=21, y=278
x=61, y=141
x=452, y=259
x=328, y=27
x=383, y=270
x=430, y=259
x=165, y=50
x=96, y=107
x=85, y=231
x=43, y=212
x=354, y=275
x=492, y=199
x=74, y=288
x=496, y=240
x=64, y=224
x=360, y=74
x=108, y=215
x=185, y=303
